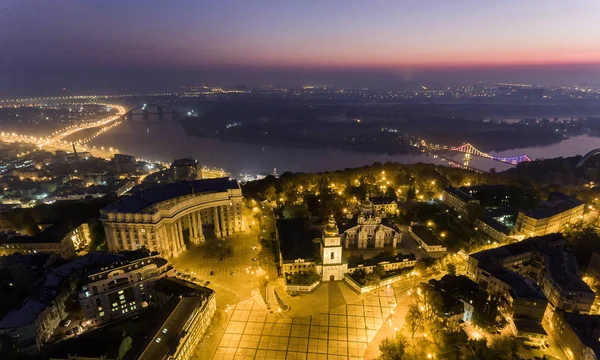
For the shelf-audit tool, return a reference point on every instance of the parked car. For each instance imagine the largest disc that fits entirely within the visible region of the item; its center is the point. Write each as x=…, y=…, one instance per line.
x=232, y=273
x=207, y=283
x=255, y=259
x=212, y=272
x=67, y=322
x=254, y=247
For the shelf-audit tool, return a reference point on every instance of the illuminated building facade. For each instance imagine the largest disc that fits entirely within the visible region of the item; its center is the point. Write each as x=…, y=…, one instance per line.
x=541, y=260
x=61, y=239
x=370, y=233
x=167, y=217
x=121, y=288
x=333, y=266
x=550, y=217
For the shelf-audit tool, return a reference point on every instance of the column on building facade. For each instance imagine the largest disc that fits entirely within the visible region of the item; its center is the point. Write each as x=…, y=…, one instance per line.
x=180, y=228
x=230, y=214
x=123, y=239
x=113, y=233
x=131, y=231
x=238, y=217
x=194, y=216
x=222, y=221
x=216, y=221
x=199, y=222
x=164, y=241
x=140, y=234
x=152, y=242
x=173, y=241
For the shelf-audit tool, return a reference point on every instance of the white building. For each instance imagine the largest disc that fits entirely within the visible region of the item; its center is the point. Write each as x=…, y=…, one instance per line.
x=370, y=233
x=333, y=266
x=167, y=217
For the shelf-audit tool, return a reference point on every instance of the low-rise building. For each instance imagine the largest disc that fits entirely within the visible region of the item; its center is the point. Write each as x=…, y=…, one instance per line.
x=170, y=329
x=426, y=239
x=62, y=239
x=457, y=199
x=120, y=289
x=30, y=324
x=550, y=216
x=388, y=261
x=579, y=334
x=495, y=230
x=384, y=204
x=544, y=261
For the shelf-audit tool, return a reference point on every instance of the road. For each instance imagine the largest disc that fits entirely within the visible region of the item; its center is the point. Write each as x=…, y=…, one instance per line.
x=55, y=141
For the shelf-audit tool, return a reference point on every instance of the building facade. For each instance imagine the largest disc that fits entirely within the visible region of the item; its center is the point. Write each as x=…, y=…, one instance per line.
x=121, y=288
x=579, y=334
x=333, y=266
x=167, y=217
x=543, y=261
x=370, y=233
x=457, y=199
x=426, y=239
x=59, y=239
x=550, y=217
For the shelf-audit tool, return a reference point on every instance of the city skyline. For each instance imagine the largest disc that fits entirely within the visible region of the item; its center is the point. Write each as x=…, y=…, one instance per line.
x=48, y=46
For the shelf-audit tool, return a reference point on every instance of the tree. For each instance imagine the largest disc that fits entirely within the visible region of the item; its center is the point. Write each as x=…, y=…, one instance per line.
x=451, y=269
x=474, y=211
x=411, y=194
x=379, y=270
x=393, y=348
x=486, y=311
x=414, y=319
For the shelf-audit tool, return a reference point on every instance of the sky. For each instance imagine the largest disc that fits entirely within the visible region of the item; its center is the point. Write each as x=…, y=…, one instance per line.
x=116, y=45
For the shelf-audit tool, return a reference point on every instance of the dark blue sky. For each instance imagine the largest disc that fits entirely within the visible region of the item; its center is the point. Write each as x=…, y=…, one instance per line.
x=115, y=45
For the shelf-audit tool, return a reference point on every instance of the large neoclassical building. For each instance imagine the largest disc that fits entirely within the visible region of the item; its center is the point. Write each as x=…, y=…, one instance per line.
x=166, y=217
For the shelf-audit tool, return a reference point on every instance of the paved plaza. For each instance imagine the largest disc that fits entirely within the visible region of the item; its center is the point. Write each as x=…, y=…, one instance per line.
x=341, y=333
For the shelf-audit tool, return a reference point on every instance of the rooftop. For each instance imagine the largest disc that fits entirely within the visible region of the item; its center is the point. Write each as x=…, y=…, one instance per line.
x=529, y=326
x=185, y=162
x=145, y=198
x=494, y=224
x=388, y=258
x=52, y=234
x=556, y=204
x=463, y=196
x=381, y=200
x=294, y=241
x=143, y=329
x=426, y=235
x=587, y=328
x=519, y=247
x=520, y=287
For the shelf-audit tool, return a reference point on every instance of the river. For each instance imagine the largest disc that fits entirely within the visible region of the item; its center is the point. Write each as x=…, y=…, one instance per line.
x=167, y=141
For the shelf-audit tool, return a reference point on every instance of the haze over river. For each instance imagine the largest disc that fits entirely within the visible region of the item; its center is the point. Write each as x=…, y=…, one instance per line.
x=167, y=141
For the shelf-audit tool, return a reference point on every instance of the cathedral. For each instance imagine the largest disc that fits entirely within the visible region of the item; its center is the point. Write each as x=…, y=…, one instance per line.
x=370, y=233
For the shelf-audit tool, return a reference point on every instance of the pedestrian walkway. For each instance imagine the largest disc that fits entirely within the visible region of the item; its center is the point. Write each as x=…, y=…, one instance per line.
x=222, y=271
x=342, y=333
x=215, y=261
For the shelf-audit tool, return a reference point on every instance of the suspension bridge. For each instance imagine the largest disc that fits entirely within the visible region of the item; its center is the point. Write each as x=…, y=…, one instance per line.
x=470, y=149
